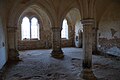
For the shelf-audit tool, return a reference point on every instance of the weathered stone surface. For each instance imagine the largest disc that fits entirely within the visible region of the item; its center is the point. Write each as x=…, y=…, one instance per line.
x=57, y=54
x=39, y=65
x=88, y=25
x=109, y=30
x=87, y=74
x=13, y=55
x=56, y=43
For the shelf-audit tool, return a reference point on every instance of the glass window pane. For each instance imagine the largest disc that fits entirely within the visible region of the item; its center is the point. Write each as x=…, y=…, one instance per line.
x=34, y=28
x=25, y=29
x=64, y=32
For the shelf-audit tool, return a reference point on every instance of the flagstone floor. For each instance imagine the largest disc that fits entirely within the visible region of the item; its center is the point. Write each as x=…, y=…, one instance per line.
x=39, y=65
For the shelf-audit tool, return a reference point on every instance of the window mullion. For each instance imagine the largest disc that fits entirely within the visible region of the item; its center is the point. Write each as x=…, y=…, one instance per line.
x=30, y=30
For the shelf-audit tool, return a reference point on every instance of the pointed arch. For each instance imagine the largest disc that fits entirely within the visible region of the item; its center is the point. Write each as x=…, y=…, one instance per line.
x=25, y=28
x=68, y=10
x=34, y=28
x=64, y=32
x=17, y=10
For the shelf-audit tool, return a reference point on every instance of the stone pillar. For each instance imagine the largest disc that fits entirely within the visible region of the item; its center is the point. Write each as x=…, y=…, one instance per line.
x=56, y=43
x=12, y=44
x=87, y=73
x=94, y=47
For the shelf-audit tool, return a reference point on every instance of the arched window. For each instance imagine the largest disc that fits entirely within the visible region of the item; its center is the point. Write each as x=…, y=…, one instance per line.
x=25, y=29
x=30, y=29
x=64, y=32
x=34, y=28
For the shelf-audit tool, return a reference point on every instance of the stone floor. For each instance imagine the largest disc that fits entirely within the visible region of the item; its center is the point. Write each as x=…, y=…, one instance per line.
x=39, y=65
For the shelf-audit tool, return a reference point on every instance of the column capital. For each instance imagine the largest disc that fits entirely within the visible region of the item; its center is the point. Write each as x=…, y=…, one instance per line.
x=88, y=21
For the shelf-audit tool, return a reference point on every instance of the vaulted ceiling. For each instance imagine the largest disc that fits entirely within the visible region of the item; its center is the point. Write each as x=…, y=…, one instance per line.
x=58, y=9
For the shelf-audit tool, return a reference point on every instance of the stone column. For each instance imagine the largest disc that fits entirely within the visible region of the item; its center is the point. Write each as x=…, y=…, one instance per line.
x=87, y=73
x=56, y=43
x=12, y=44
x=94, y=47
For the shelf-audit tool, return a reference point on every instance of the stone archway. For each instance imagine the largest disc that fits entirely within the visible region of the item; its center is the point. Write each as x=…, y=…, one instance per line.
x=44, y=26
x=13, y=50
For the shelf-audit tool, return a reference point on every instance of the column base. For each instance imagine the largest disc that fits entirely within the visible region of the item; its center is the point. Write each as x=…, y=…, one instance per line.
x=87, y=74
x=57, y=54
x=13, y=55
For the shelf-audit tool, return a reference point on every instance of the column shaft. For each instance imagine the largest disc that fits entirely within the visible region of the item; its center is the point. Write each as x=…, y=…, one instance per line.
x=12, y=44
x=56, y=43
x=94, y=47
x=87, y=46
x=87, y=73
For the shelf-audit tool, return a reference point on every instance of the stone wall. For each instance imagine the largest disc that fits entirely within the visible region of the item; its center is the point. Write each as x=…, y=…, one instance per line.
x=45, y=41
x=109, y=31
x=3, y=55
x=78, y=34
x=2, y=46
x=70, y=41
x=67, y=43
